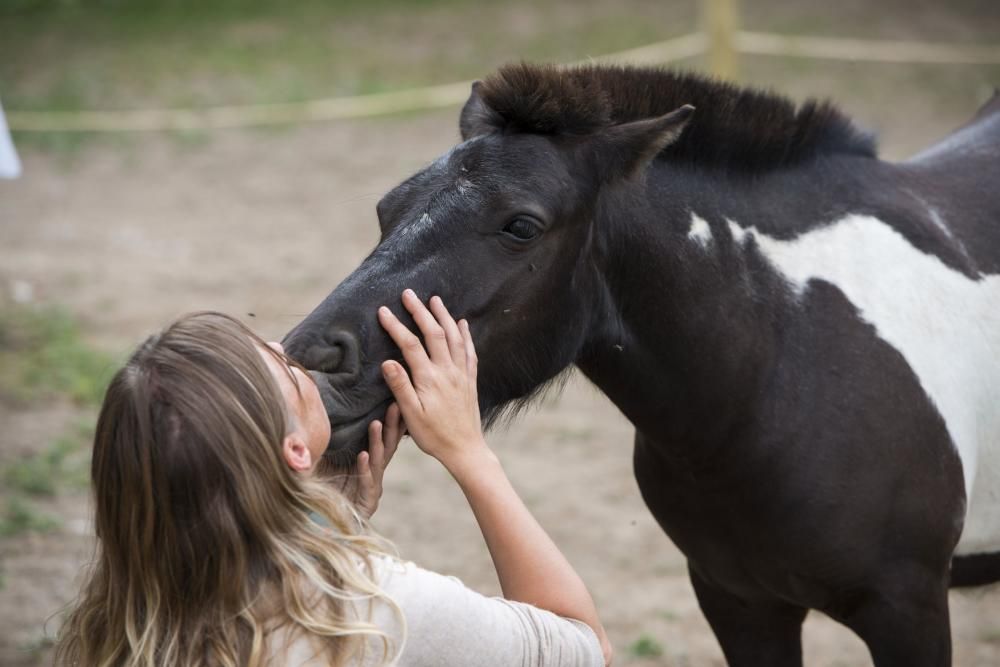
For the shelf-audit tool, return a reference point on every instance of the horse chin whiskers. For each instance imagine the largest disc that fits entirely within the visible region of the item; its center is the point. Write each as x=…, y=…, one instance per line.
x=505, y=413
x=338, y=461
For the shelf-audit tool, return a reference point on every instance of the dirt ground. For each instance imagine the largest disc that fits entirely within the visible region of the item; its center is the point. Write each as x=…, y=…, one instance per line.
x=265, y=223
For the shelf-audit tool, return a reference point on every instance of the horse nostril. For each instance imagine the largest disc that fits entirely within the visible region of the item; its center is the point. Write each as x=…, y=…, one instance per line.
x=338, y=355
x=324, y=358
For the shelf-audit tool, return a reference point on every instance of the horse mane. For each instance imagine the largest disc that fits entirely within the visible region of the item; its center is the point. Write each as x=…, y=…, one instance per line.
x=733, y=127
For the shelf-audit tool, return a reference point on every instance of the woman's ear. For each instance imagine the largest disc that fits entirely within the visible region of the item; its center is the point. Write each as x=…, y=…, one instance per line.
x=296, y=453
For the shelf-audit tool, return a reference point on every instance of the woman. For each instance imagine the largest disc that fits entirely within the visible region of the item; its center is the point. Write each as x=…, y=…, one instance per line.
x=218, y=545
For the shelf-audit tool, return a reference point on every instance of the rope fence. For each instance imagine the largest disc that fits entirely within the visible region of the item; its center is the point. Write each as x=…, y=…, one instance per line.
x=838, y=48
x=453, y=94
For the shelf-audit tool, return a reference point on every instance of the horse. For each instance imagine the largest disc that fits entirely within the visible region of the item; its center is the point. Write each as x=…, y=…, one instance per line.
x=805, y=337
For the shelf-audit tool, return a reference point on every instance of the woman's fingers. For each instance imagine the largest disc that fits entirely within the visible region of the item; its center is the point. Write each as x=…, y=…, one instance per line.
x=364, y=471
x=399, y=426
x=401, y=387
x=392, y=433
x=408, y=343
x=441, y=335
x=456, y=347
x=471, y=359
x=376, y=451
x=368, y=491
x=391, y=429
x=434, y=334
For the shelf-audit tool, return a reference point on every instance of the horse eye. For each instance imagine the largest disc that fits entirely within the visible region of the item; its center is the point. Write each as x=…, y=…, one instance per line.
x=522, y=229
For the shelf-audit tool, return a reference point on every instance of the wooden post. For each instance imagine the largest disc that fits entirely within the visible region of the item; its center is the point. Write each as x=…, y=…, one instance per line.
x=719, y=21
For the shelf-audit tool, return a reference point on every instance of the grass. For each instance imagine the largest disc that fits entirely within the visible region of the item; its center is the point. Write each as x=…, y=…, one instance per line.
x=80, y=55
x=20, y=517
x=106, y=54
x=43, y=355
x=35, y=649
x=64, y=464
x=72, y=55
x=645, y=647
x=226, y=53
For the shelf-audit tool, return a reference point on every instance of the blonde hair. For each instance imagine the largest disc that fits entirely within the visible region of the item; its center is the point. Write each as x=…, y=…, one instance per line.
x=208, y=543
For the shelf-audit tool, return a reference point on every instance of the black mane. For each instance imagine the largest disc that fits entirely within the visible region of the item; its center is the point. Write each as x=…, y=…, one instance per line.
x=733, y=127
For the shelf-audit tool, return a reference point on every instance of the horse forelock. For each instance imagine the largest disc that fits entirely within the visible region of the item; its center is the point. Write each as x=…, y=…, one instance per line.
x=733, y=127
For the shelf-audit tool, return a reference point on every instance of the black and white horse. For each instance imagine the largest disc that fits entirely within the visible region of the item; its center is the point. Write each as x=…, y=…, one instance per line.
x=806, y=338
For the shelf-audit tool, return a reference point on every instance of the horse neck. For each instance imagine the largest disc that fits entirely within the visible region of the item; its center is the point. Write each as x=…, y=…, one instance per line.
x=687, y=331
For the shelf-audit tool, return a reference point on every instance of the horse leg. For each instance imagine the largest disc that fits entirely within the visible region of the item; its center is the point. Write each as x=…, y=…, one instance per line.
x=751, y=634
x=905, y=623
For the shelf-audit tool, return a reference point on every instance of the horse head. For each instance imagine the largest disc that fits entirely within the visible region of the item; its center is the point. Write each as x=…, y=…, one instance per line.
x=501, y=227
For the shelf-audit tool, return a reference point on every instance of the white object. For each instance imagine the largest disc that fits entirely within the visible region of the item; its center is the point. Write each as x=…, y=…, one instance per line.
x=10, y=165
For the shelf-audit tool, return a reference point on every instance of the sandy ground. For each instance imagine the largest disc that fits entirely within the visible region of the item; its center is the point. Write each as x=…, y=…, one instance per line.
x=266, y=223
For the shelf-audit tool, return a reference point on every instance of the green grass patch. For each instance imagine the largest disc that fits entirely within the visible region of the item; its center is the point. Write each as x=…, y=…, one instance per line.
x=68, y=147
x=43, y=355
x=82, y=55
x=645, y=647
x=35, y=649
x=20, y=516
x=64, y=144
x=193, y=55
x=95, y=55
x=63, y=465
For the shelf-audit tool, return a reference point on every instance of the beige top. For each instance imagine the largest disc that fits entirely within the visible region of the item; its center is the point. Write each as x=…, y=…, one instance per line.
x=449, y=624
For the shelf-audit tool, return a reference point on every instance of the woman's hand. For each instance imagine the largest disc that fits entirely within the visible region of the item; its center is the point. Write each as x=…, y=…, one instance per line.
x=441, y=410
x=364, y=487
x=439, y=404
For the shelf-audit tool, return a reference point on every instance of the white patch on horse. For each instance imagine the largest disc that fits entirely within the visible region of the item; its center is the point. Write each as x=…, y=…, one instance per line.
x=414, y=228
x=739, y=234
x=946, y=326
x=445, y=159
x=939, y=223
x=700, y=232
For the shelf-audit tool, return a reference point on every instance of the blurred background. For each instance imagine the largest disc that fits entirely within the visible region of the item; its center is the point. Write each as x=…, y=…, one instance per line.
x=232, y=175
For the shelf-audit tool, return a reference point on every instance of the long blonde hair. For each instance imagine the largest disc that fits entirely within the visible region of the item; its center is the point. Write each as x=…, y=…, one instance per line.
x=208, y=542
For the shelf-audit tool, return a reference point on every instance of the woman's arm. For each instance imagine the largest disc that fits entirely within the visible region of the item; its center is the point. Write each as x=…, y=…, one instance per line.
x=441, y=411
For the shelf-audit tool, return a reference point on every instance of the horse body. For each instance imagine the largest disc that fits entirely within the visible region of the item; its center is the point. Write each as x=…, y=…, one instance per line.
x=809, y=350
x=795, y=454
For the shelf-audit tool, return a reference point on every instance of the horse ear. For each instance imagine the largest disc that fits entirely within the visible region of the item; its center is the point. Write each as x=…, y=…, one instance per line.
x=623, y=150
x=477, y=117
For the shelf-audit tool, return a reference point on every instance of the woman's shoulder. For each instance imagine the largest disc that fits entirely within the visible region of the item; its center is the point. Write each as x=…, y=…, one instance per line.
x=404, y=577
x=449, y=623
